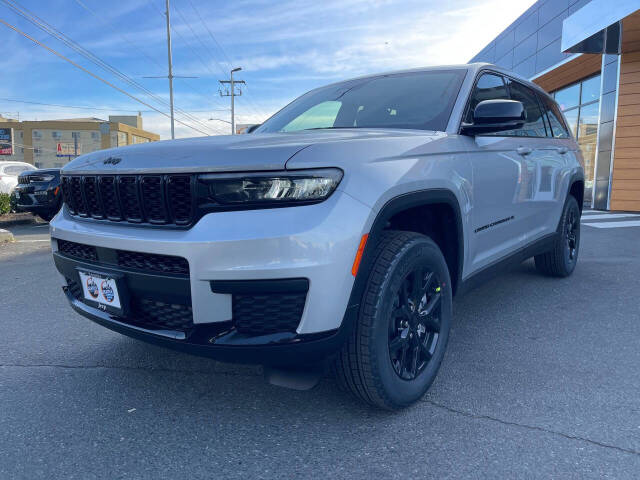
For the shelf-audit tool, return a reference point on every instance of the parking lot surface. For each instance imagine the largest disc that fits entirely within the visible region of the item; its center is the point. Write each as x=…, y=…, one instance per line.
x=540, y=380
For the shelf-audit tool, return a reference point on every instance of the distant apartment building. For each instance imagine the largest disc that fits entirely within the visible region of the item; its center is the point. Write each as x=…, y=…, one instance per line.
x=53, y=143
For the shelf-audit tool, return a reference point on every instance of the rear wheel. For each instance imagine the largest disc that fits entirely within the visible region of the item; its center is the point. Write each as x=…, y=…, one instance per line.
x=561, y=260
x=400, y=337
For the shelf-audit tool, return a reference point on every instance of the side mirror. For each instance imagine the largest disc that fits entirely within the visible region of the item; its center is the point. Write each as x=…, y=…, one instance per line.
x=494, y=116
x=251, y=128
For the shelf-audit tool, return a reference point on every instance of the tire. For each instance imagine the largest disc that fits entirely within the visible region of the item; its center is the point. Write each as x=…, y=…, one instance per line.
x=390, y=337
x=561, y=260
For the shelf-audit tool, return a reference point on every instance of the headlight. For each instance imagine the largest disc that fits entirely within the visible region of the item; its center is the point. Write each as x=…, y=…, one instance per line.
x=42, y=178
x=271, y=188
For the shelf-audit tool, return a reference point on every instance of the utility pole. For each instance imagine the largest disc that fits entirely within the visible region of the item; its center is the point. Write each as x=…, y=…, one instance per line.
x=232, y=93
x=170, y=76
x=173, y=127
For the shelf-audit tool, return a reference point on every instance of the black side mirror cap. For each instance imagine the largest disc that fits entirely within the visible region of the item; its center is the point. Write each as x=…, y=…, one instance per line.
x=494, y=116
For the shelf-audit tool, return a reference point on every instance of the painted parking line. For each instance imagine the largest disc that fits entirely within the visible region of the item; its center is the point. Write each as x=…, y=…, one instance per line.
x=630, y=223
x=606, y=216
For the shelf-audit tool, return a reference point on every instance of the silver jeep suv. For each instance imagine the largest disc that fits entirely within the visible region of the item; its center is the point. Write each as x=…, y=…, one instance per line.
x=335, y=234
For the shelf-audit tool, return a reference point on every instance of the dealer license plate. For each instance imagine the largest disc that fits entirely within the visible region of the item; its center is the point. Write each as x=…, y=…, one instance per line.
x=101, y=289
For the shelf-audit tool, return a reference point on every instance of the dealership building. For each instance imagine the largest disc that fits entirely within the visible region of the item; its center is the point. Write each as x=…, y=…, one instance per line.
x=586, y=53
x=53, y=143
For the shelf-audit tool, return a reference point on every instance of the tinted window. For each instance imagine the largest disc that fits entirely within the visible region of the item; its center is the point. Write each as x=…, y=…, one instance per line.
x=558, y=128
x=489, y=87
x=421, y=100
x=534, y=126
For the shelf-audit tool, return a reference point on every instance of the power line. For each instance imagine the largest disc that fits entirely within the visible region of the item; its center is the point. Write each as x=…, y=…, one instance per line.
x=58, y=54
x=209, y=51
x=140, y=50
x=43, y=25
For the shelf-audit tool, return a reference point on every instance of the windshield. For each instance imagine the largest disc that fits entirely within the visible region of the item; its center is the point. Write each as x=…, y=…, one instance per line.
x=16, y=169
x=419, y=100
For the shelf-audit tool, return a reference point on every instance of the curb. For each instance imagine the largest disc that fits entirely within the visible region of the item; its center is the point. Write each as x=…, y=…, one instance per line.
x=18, y=220
x=6, y=236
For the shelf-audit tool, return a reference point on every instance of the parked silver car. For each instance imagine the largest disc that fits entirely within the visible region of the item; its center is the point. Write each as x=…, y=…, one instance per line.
x=336, y=233
x=9, y=172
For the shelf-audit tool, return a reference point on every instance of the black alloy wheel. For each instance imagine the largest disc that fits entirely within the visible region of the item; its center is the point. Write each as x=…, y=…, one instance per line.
x=415, y=323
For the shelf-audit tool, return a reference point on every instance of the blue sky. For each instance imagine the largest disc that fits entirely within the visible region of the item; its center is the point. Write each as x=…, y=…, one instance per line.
x=284, y=47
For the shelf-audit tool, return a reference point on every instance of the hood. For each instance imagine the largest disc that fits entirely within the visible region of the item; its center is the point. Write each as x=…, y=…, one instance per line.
x=41, y=171
x=228, y=153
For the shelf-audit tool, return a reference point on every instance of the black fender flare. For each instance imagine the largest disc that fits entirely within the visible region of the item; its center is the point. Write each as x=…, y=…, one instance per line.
x=393, y=206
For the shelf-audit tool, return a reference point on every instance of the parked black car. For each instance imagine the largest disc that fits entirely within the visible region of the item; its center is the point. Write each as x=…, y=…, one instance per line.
x=39, y=192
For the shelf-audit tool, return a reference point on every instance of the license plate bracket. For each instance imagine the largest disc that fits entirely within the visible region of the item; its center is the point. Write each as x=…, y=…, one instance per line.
x=104, y=291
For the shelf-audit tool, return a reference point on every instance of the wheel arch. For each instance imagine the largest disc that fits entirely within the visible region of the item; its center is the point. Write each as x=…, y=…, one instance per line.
x=576, y=188
x=404, y=203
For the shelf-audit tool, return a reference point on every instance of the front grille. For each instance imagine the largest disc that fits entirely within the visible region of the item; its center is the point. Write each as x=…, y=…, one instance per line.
x=146, y=262
x=78, y=250
x=267, y=313
x=149, y=313
x=23, y=180
x=157, y=315
x=154, y=199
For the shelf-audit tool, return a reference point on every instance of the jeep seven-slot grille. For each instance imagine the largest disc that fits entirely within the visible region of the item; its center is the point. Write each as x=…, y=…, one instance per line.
x=154, y=199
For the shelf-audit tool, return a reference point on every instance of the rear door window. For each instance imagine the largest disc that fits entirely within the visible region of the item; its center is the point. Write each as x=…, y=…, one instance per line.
x=535, y=124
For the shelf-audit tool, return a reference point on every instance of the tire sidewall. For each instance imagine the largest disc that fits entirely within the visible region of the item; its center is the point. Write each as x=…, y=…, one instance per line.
x=418, y=251
x=571, y=204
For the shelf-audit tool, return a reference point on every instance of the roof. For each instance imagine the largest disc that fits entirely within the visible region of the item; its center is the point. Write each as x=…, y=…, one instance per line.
x=86, y=119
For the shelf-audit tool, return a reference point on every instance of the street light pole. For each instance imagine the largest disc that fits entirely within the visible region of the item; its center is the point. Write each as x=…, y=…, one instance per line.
x=173, y=130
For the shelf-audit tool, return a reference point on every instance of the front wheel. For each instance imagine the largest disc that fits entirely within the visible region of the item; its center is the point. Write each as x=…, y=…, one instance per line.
x=561, y=260
x=399, y=340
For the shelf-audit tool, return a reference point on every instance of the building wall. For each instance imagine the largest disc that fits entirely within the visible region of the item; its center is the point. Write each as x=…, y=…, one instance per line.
x=36, y=142
x=45, y=142
x=625, y=187
x=18, y=141
x=531, y=44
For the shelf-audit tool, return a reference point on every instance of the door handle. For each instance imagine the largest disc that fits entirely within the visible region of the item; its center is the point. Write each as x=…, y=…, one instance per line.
x=562, y=150
x=524, y=151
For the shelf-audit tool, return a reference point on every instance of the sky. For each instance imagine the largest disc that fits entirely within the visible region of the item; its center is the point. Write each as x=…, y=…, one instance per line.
x=285, y=48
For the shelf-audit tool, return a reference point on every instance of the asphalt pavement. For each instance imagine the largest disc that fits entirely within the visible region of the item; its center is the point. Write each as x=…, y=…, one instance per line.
x=541, y=380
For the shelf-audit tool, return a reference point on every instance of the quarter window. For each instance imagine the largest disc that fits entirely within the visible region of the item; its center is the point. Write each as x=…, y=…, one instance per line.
x=558, y=128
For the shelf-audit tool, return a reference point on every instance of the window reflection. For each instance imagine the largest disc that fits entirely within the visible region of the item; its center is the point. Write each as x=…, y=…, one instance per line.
x=580, y=104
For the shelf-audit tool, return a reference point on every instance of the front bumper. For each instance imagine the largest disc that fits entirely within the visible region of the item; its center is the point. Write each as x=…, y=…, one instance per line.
x=30, y=198
x=315, y=242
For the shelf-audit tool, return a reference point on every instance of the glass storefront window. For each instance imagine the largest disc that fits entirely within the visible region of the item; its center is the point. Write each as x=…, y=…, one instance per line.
x=590, y=90
x=568, y=97
x=572, y=120
x=580, y=104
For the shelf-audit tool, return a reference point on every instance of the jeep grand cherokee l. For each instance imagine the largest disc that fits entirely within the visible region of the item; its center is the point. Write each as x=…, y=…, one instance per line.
x=337, y=233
